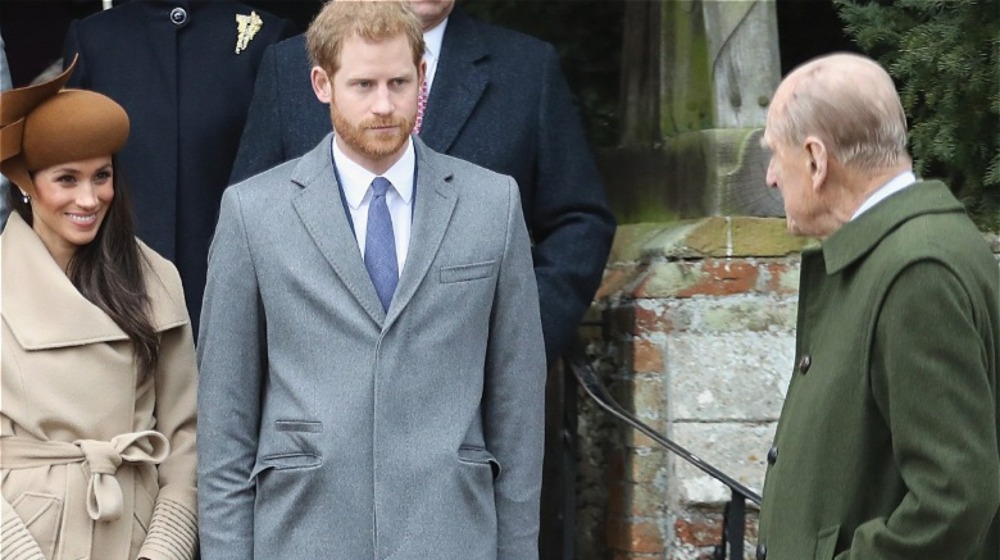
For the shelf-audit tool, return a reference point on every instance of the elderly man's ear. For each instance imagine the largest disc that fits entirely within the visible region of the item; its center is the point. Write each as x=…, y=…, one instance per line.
x=818, y=161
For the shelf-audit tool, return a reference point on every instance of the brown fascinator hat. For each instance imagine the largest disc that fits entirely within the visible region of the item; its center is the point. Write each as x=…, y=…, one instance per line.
x=44, y=125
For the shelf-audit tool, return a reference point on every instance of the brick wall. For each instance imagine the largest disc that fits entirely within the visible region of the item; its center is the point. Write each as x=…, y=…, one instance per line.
x=699, y=346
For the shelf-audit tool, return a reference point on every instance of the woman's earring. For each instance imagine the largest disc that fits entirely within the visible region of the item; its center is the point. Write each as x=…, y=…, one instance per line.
x=24, y=196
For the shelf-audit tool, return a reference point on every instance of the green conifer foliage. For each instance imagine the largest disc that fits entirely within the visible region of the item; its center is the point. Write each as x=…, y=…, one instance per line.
x=945, y=57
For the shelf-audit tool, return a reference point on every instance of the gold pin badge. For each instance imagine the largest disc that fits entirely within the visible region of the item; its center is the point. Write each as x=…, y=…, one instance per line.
x=246, y=26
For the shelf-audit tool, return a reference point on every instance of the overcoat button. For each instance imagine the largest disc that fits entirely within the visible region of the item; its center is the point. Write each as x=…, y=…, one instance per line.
x=772, y=455
x=761, y=552
x=178, y=16
x=804, y=363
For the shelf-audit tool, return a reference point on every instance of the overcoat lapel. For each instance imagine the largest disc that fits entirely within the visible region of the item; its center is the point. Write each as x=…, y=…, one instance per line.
x=44, y=310
x=434, y=203
x=40, y=305
x=321, y=209
x=458, y=84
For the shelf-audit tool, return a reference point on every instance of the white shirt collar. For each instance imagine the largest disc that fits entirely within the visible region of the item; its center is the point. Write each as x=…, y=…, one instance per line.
x=356, y=180
x=433, y=39
x=896, y=184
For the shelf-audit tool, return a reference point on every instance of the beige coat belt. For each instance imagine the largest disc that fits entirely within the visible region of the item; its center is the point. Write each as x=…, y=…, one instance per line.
x=102, y=458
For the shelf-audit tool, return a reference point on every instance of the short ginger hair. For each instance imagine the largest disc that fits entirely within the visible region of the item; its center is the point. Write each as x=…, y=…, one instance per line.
x=372, y=20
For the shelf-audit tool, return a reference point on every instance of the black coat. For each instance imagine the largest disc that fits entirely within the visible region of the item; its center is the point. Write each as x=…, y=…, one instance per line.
x=499, y=100
x=186, y=92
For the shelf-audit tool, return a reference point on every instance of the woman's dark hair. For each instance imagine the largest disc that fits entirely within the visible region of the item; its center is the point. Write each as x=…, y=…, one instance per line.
x=108, y=271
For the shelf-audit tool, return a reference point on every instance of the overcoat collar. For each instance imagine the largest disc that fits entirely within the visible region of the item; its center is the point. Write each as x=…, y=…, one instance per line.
x=322, y=211
x=459, y=83
x=858, y=237
x=44, y=310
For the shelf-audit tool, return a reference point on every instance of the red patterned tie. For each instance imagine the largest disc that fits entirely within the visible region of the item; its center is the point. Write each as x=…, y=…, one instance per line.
x=421, y=107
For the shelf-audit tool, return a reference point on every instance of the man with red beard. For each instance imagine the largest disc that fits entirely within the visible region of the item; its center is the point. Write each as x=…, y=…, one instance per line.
x=372, y=363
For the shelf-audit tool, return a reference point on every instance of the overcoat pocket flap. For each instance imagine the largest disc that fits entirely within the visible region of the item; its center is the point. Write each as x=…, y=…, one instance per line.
x=480, y=456
x=30, y=506
x=41, y=514
x=299, y=426
x=286, y=461
x=464, y=272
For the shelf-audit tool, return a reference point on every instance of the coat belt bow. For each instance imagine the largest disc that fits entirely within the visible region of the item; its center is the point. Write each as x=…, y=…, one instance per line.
x=102, y=458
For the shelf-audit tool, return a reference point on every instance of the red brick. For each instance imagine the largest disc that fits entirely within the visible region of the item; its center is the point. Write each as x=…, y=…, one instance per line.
x=699, y=533
x=640, y=536
x=625, y=555
x=776, y=272
x=722, y=277
x=647, y=357
x=651, y=321
x=614, y=281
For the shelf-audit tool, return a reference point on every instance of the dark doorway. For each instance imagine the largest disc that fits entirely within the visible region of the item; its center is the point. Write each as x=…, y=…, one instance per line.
x=33, y=33
x=807, y=29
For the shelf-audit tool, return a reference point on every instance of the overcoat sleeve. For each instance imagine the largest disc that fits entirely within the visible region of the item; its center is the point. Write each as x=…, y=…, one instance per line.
x=231, y=350
x=173, y=530
x=514, y=393
x=570, y=222
x=71, y=48
x=18, y=544
x=944, y=437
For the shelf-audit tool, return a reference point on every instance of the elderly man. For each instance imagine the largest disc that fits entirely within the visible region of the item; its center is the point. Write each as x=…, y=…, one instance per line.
x=887, y=446
x=372, y=362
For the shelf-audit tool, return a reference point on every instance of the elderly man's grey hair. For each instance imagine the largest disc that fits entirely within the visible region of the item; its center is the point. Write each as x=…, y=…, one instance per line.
x=851, y=104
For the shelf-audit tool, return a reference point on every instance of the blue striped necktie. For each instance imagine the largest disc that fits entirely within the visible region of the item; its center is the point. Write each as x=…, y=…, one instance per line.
x=380, y=244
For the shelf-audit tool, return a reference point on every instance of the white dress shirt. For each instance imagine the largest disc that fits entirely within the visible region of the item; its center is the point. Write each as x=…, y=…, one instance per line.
x=433, y=38
x=896, y=184
x=357, y=182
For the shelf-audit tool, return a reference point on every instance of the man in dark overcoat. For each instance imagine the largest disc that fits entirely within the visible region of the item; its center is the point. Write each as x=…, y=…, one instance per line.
x=887, y=445
x=184, y=71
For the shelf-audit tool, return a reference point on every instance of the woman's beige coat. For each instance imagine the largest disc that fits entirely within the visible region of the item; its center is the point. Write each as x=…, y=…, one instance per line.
x=96, y=461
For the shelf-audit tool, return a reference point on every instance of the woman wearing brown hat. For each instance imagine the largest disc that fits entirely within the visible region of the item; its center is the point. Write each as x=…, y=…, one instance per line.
x=97, y=422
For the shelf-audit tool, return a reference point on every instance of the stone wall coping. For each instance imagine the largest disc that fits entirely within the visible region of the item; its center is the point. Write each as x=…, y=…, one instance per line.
x=715, y=237
x=712, y=237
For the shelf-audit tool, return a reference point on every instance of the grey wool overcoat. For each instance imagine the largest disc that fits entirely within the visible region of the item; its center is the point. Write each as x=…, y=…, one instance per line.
x=331, y=429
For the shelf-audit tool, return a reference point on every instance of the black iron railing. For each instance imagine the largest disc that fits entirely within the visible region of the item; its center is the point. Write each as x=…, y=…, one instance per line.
x=734, y=516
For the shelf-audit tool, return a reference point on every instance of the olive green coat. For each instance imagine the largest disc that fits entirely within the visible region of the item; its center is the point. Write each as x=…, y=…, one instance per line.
x=887, y=446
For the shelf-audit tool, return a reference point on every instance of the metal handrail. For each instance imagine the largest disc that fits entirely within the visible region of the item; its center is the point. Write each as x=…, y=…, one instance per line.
x=735, y=511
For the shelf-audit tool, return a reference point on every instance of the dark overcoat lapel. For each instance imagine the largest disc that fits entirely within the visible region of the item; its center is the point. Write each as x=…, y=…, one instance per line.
x=458, y=85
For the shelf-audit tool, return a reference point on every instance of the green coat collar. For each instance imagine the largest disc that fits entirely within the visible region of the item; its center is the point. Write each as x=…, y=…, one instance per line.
x=856, y=238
